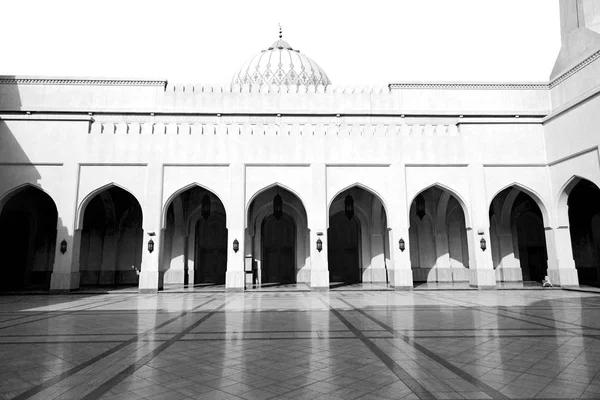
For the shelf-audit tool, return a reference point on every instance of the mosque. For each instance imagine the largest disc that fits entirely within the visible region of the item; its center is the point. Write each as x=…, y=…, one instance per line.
x=284, y=178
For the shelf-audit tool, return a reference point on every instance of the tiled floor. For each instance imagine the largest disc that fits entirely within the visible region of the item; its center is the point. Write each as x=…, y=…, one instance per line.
x=302, y=345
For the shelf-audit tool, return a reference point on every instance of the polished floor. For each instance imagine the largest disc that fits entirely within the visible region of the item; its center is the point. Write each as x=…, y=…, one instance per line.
x=302, y=345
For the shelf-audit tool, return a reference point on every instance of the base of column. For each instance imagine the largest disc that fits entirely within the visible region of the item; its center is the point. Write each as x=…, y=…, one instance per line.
x=235, y=281
x=566, y=277
x=510, y=274
x=151, y=281
x=432, y=274
x=319, y=280
x=174, y=277
x=374, y=275
x=61, y=283
x=303, y=275
x=484, y=279
x=401, y=279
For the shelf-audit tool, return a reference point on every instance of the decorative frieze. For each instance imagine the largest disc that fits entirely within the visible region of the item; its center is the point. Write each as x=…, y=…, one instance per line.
x=6, y=80
x=344, y=130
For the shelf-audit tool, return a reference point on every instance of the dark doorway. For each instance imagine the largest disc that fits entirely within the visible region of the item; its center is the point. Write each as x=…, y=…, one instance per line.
x=111, y=239
x=584, y=226
x=531, y=238
x=343, y=253
x=278, y=238
x=27, y=241
x=210, y=263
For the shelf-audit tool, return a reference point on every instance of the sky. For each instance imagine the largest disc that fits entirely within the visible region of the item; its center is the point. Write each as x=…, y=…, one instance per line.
x=372, y=42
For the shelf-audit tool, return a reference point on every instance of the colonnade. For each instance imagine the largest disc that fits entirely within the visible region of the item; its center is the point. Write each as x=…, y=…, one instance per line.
x=196, y=237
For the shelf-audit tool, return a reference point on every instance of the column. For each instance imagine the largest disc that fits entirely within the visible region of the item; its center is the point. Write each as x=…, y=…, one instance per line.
x=65, y=273
x=151, y=277
x=509, y=267
x=481, y=274
x=400, y=274
x=376, y=248
x=109, y=256
x=561, y=265
x=175, y=275
x=317, y=222
x=235, y=275
x=190, y=253
x=442, y=259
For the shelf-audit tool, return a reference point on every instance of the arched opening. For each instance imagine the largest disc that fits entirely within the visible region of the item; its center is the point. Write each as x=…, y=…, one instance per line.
x=195, y=239
x=584, y=226
x=111, y=239
x=210, y=254
x=277, y=238
x=518, y=240
x=343, y=238
x=439, y=249
x=357, y=238
x=27, y=240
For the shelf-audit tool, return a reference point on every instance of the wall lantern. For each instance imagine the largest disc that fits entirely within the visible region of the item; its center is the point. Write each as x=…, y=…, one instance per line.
x=319, y=245
x=63, y=246
x=150, y=246
x=420, y=200
x=236, y=245
x=349, y=207
x=205, y=207
x=401, y=244
x=482, y=244
x=277, y=206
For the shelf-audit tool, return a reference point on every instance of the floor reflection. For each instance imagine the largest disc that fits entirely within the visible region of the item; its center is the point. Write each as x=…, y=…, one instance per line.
x=373, y=344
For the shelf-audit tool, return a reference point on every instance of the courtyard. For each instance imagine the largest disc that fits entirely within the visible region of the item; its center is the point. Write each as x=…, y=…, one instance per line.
x=302, y=345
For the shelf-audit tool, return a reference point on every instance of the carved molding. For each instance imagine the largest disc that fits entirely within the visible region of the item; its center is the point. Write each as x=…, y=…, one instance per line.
x=471, y=86
x=89, y=82
x=566, y=75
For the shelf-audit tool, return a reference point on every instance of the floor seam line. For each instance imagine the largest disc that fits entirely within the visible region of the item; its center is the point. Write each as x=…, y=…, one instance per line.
x=459, y=372
x=421, y=392
x=65, y=375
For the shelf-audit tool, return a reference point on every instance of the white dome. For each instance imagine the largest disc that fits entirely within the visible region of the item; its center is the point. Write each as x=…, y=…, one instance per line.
x=280, y=65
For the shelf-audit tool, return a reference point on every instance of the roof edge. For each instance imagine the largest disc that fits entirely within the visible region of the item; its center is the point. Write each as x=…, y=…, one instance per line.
x=47, y=80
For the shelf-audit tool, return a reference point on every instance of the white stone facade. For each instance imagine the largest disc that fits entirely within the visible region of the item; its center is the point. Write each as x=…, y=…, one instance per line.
x=489, y=160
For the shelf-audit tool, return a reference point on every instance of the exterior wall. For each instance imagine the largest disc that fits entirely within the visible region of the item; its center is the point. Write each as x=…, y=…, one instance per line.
x=156, y=140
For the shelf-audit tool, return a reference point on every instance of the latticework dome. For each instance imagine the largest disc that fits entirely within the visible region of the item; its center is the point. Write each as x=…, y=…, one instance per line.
x=280, y=65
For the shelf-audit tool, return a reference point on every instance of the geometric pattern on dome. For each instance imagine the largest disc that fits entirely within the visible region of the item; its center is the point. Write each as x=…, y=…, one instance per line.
x=280, y=65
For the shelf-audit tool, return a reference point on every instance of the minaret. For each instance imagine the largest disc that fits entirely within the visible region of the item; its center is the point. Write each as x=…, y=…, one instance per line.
x=579, y=33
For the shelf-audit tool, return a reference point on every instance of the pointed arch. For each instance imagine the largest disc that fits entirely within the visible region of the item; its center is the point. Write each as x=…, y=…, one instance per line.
x=86, y=200
x=165, y=206
x=361, y=186
x=9, y=194
x=562, y=207
x=531, y=193
x=444, y=188
x=265, y=189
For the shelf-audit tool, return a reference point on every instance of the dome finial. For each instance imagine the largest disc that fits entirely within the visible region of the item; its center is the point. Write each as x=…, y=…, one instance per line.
x=280, y=32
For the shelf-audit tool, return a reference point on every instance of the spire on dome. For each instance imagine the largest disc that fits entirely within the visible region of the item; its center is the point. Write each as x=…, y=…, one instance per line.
x=280, y=32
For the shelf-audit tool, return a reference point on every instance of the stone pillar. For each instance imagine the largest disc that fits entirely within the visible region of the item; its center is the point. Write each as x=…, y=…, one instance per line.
x=482, y=274
x=190, y=254
x=561, y=265
x=151, y=276
x=400, y=274
x=175, y=275
x=509, y=268
x=319, y=273
x=377, y=258
x=442, y=262
x=248, y=260
x=109, y=256
x=65, y=272
x=235, y=275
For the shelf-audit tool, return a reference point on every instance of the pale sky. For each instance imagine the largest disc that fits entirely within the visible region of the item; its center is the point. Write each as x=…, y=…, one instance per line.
x=371, y=42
